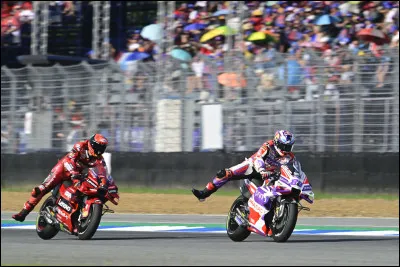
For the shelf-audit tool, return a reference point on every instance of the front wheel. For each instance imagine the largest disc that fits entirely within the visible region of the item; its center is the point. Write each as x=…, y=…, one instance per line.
x=284, y=226
x=235, y=231
x=89, y=225
x=43, y=229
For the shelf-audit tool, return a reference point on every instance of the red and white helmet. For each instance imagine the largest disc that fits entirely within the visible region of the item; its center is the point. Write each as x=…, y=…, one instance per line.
x=283, y=142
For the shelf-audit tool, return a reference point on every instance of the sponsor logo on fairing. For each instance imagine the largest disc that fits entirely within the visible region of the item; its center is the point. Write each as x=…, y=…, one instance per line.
x=257, y=207
x=59, y=211
x=307, y=188
x=68, y=194
x=64, y=205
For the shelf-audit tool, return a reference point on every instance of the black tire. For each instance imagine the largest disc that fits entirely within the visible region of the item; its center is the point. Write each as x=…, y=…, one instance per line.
x=236, y=232
x=88, y=227
x=289, y=220
x=43, y=229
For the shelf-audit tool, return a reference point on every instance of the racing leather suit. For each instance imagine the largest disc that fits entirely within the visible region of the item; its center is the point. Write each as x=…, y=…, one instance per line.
x=70, y=167
x=266, y=160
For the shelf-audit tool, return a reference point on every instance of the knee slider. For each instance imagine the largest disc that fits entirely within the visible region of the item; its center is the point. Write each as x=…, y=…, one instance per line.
x=221, y=173
x=38, y=190
x=225, y=173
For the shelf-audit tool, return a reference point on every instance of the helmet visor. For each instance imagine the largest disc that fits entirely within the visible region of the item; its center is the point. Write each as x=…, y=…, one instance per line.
x=98, y=149
x=285, y=148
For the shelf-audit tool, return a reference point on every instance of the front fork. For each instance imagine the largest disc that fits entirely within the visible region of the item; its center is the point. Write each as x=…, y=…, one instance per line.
x=85, y=207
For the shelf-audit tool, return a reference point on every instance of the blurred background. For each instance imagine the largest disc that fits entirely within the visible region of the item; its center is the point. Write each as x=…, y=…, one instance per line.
x=200, y=76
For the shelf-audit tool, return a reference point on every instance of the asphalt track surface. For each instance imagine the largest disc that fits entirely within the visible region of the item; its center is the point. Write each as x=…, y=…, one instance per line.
x=24, y=247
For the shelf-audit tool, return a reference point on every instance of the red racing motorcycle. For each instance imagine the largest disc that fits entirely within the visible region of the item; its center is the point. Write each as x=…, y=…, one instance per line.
x=77, y=210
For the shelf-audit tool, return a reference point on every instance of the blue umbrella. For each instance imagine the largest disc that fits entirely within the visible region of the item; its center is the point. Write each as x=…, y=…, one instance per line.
x=130, y=58
x=153, y=32
x=271, y=3
x=221, y=12
x=326, y=20
x=137, y=56
x=194, y=26
x=180, y=54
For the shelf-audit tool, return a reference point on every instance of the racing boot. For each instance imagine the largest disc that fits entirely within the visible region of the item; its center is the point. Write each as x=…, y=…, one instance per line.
x=222, y=178
x=205, y=193
x=20, y=216
x=36, y=196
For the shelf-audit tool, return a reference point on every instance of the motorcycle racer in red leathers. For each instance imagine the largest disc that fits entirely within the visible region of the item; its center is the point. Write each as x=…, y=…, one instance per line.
x=84, y=154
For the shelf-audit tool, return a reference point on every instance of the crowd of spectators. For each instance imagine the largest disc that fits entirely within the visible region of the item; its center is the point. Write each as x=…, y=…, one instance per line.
x=14, y=15
x=299, y=31
x=294, y=24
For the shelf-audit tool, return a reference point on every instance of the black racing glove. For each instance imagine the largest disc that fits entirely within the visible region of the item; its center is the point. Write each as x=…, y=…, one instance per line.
x=274, y=176
x=102, y=190
x=76, y=179
x=77, y=176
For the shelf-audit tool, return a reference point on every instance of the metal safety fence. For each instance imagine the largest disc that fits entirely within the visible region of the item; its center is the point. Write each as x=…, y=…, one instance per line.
x=338, y=101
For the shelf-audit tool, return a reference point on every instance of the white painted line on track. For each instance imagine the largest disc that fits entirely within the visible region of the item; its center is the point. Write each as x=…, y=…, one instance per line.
x=364, y=233
x=187, y=229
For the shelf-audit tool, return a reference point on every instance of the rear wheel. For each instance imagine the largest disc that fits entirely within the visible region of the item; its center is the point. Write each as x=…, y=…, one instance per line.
x=284, y=226
x=235, y=231
x=89, y=225
x=43, y=229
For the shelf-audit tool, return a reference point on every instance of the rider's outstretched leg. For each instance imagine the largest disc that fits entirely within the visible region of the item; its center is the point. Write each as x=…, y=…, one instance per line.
x=222, y=177
x=218, y=181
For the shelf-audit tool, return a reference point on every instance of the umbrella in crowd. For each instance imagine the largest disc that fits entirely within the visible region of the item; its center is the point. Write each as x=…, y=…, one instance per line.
x=221, y=12
x=257, y=36
x=128, y=59
x=272, y=3
x=261, y=37
x=137, y=56
x=373, y=35
x=326, y=20
x=181, y=54
x=194, y=27
x=221, y=30
x=153, y=32
x=232, y=80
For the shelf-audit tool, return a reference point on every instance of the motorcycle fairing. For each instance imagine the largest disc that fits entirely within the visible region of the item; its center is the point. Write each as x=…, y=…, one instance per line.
x=63, y=215
x=259, y=205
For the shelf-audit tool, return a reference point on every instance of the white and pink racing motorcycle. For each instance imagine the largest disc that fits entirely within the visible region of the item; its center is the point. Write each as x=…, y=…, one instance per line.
x=273, y=205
